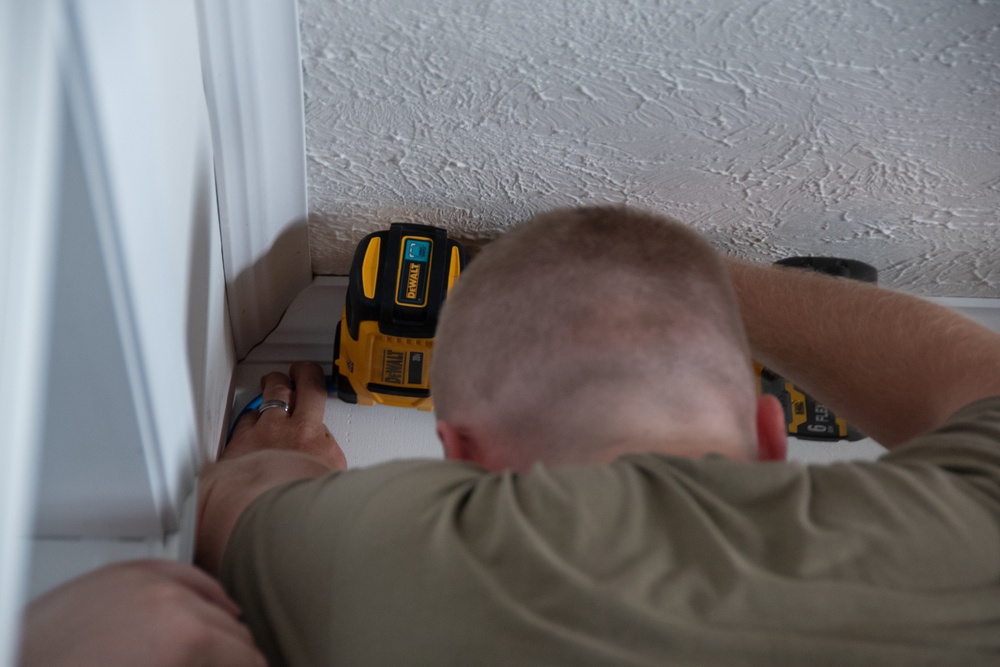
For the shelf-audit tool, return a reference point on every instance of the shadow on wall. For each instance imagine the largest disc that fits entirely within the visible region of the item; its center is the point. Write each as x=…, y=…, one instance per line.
x=287, y=247
x=333, y=238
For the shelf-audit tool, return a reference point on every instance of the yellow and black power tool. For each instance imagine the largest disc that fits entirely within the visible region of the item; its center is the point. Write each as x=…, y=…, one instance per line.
x=383, y=345
x=805, y=417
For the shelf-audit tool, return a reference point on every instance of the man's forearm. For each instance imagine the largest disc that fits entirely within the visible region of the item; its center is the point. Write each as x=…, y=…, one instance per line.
x=267, y=449
x=893, y=365
x=229, y=486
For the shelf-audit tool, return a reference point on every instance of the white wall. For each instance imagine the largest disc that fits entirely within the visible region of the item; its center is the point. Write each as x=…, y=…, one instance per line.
x=138, y=357
x=843, y=127
x=139, y=304
x=28, y=149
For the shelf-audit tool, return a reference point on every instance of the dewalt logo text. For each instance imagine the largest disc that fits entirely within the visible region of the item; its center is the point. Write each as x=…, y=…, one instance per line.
x=414, y=271
x=413, y=283
x=392, y=367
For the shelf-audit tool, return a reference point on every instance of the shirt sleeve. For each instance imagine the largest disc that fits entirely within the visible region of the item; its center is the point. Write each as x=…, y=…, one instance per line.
x=968, y=445
x=289, y=546
x=927, y=514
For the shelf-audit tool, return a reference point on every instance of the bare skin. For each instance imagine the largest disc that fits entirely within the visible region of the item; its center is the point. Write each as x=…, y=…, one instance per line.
x=266, y=450
x=141, y=613
x=893, y=365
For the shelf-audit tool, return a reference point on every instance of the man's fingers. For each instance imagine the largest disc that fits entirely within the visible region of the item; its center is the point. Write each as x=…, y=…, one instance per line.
x=276, y=387
x=229, y=651
x=246, y=421
x=211, y=616
x=229, y=642
x=196, y=580
x=310, y=391
x=302, y=429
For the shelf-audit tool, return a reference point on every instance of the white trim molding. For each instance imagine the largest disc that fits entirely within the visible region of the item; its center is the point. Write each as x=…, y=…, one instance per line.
x=29, y=141
x=253, y=84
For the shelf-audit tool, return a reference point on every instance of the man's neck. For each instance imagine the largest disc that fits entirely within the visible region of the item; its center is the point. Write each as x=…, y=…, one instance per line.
x=733, y=445
x=695, y=446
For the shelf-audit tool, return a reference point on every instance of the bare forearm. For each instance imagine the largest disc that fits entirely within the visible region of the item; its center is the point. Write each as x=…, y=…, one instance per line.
x=894, y=365
x=229, y=486
x=267, y=449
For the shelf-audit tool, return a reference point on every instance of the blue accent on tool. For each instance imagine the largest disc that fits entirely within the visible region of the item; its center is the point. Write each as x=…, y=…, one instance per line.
x=417, y=250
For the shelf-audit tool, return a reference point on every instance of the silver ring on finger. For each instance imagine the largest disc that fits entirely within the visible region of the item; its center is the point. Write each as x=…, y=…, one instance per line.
x=267, y=405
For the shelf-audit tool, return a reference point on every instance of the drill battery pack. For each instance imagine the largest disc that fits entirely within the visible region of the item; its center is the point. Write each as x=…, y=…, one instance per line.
x=384, y=341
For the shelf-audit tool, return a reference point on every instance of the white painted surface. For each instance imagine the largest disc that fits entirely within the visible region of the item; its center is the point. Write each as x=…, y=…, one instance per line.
x=29, y=104
x=370, y=435
x=92, y=424
x=253, y=82
x=55, y=560
x=141, y=332
x=850, y=128
x=141, y=355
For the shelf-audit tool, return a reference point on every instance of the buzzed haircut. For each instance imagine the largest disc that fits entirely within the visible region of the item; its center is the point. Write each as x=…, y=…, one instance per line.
x=563, y=323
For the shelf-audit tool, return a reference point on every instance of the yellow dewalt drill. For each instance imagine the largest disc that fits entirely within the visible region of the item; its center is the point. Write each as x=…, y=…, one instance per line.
x=384, y=341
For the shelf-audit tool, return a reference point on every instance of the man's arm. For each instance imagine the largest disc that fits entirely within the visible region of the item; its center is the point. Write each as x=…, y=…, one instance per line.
x=892, y=364
x=266, y=450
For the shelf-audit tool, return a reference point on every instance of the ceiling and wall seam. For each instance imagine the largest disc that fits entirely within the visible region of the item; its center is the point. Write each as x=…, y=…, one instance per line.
x=856, y=128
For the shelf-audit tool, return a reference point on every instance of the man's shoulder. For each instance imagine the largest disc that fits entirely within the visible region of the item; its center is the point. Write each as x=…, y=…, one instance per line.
x=971, y=437
x=403, y=468
x=380, y=499
x=410, y=480
x=985, y=409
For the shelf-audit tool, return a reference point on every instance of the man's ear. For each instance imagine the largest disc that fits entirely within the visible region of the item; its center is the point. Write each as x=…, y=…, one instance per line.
x=457, y=445
x=468, y=444
x=772, y=436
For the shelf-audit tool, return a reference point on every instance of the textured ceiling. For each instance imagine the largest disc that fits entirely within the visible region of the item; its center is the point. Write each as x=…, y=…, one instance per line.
x=858, y=128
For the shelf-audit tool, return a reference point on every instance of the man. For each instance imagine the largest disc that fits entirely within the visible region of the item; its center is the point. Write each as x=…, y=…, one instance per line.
x=615, y=494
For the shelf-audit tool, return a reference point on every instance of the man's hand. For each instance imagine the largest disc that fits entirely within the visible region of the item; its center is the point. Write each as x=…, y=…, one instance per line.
x=267, y=449
x=301, y=429
x=141, y=613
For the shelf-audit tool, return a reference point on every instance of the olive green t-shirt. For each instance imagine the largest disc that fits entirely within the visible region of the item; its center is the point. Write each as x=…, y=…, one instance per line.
x=651, y=560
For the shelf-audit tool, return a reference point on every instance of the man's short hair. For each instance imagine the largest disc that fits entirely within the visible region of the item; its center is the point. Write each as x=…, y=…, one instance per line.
x=563, y=323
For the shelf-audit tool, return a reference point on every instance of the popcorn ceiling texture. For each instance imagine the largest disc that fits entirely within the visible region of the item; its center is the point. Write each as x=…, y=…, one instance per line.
x=858, y=128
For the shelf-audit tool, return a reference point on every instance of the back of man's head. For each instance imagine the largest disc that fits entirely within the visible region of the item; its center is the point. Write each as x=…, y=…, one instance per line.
x=584, y=333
